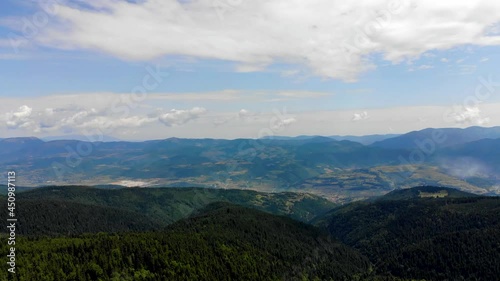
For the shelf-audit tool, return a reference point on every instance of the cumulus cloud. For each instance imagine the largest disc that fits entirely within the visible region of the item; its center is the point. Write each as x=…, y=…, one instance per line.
x=242, y=115
x=178, y=117
x=471, y=115
x=20, y=118
x=245, y=114
x=360, y=116
x=278, y=124
x=57, y=114
x=288, y=121
x=78, y=117
x=70, y=118
x=332, y=39
x=49, y=116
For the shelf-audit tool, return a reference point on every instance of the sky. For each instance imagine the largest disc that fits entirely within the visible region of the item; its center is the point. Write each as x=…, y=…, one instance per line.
x=153, y=69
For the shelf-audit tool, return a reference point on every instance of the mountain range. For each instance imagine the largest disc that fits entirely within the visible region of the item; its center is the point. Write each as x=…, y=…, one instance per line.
x=340, y=170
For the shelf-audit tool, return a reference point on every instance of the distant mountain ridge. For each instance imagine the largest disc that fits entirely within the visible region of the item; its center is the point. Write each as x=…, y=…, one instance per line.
x=103, y=138
x=365, y=140
x=457, y=136
x=450, y=136
x=342, y=170
x=12, y=145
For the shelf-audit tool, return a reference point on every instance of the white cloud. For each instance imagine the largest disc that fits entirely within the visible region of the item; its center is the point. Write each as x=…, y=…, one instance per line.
x=20, y=118
x=278, y=124
x=49, y=111
x=77, y=118
x=360, y=116
x=471, y=115
x=61, y=113
x=333, y=39
x=49, y=116
x=245, y=114
x=484, y=59
x=493, y=29
x=288, y=121
x=178, y=117
x=445, y=60
x=36, y=117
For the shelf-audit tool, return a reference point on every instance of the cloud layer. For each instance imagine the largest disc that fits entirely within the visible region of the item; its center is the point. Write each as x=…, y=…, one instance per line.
x=66, y=117
x=333, y=39
x=152, y=119
x=178, y=117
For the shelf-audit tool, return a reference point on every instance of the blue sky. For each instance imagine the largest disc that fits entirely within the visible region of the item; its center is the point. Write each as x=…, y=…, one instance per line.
x=231, y=69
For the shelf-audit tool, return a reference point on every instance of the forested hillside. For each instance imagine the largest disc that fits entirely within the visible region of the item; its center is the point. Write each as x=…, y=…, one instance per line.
x=55, y=217
x=222, y=242
x=432, y=238
x=167, y=205
x=423, y=233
